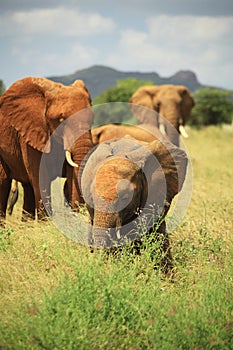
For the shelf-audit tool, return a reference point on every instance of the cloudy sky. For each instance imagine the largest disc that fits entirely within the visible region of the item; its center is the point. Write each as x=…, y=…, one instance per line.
x=54, y=37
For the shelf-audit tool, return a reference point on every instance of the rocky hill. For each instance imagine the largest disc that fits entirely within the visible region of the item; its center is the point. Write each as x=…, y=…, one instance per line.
x=99, y=78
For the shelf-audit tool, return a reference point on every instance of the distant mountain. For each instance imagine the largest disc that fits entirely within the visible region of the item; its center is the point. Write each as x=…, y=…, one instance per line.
x=99, y=78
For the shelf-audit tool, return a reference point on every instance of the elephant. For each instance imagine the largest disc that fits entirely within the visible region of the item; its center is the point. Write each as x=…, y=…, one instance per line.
x=129, y=184
x=31, y=111
x=173, y=102
x=141, y=132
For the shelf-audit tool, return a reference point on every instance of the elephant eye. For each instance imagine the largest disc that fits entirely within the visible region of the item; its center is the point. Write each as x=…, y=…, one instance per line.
x=183, y=92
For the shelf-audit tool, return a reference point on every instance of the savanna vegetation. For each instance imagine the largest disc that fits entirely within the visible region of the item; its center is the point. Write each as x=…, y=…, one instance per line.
x=55, y=294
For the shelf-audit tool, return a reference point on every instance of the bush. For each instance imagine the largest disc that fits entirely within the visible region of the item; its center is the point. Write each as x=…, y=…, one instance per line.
x=212, y=107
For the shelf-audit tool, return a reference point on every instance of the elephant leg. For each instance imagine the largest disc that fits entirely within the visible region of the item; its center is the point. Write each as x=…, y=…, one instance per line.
x=42, y=192
x=5, y=186
x=43, y=202
x=167, y=260
x=28, y=202
x=72, y=191
x=38, y=190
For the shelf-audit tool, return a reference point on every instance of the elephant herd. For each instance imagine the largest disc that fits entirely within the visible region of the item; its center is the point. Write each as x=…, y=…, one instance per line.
x=124, y=174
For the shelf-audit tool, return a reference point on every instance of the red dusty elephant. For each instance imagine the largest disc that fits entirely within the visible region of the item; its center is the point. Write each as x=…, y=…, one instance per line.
x=30, y=111
x=129, y=186
x=173, y=103
x=142, y=132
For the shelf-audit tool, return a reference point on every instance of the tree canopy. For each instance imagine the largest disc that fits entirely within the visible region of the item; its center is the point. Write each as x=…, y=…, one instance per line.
x=122, y=92
x=212, y=106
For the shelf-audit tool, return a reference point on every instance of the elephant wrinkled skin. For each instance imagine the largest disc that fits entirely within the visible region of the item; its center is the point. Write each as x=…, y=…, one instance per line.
x=30, y=111
x=173, y=102
x=125, y=182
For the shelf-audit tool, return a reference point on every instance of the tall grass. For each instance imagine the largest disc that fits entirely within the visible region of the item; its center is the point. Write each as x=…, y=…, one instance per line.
x=55, y=294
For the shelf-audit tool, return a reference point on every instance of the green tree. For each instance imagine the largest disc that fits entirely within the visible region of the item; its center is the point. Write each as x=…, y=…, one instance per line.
x=2, y=87
x=122, y=92
x=212, y=106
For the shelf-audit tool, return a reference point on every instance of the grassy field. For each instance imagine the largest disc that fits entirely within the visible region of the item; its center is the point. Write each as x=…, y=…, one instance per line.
x=55, y=294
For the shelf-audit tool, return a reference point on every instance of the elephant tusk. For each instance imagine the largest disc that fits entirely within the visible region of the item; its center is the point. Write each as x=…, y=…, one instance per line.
x=69, y=160
x=162, y=129
x=183, y=131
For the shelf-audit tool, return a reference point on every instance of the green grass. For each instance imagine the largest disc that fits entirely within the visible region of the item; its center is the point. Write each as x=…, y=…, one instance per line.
x=55, y=294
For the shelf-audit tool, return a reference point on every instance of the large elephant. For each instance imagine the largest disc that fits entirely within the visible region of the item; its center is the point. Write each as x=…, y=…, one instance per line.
x=30, y=111
x=173, y=102
x=129, y=185
x=142, y=132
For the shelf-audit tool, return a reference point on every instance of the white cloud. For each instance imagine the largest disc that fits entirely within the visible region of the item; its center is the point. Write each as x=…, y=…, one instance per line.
x=189, y=27
x=173, y=43
x=62, y=39
x=58, y=63
x=59, y=21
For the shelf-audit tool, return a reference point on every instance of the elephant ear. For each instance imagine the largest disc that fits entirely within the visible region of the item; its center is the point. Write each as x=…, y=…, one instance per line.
x=80, y=84
x=187, y=101
x=23, y=106
x=97, y=132
x=139, y=153
x=144, y=97
x=173, y=162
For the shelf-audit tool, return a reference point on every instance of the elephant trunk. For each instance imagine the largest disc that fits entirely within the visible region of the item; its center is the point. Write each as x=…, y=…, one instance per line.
x=171, y=126
x=105, y=229
x=175, y=128
x=173, y=120
x=79, y=151
x=101, y=238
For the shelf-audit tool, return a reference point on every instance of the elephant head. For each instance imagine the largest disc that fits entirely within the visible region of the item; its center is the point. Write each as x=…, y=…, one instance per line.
x=125, y=178
x=35, y=107
x=31, y=110
x=173, y=103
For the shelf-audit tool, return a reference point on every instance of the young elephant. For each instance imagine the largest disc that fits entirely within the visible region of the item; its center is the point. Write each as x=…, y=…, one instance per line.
x=128, y=188
x=142, y=132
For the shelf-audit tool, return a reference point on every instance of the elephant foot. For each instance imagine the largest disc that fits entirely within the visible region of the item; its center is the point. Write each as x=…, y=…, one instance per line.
x=43, y=214
x=27, y=216
x=2, y=219
x=2, y=224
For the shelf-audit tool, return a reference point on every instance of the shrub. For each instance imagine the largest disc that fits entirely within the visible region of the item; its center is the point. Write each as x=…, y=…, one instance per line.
x=212, y=107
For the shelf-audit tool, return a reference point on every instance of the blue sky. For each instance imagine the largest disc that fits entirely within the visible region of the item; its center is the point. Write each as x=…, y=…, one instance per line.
x=53, y=37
